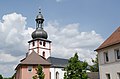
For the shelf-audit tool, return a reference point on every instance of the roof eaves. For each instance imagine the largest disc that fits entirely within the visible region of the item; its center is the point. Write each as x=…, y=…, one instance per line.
x=109, y=45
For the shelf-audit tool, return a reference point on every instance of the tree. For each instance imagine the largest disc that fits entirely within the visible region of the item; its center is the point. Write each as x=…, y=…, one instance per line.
x=40, y=73
x=94, y=67
x=76, y=69
x=1, y=76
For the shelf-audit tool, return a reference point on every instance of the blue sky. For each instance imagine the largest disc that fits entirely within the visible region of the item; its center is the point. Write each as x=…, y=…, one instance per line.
x=72, y=25
x=91, y=14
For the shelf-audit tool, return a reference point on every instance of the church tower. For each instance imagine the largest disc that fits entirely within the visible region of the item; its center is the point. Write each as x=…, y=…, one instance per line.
x=39, y=42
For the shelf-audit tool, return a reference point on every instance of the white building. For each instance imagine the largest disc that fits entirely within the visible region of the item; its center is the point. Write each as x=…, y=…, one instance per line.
x=57, y=67
x=109, y=57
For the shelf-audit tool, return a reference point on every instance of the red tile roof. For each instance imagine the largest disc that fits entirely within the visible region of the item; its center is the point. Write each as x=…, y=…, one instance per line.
x=112, y=40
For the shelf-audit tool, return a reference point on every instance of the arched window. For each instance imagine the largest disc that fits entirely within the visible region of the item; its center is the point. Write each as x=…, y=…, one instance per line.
x=40, y=42
x=44, y=43
x=50, y=75
x=43, y=54
x=33, y=43
x=57, y=75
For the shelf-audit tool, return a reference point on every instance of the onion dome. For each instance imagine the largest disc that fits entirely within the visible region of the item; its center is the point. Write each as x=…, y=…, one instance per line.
x=39, y=32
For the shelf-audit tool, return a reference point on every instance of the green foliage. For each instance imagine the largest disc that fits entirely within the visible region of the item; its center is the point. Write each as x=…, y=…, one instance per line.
x=1, y=76
x=40, y=73
x=76, y=69
x=94, y=67
x=35, y=77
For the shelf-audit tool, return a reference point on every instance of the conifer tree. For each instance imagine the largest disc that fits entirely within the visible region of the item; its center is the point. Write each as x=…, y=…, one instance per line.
x=40, y=73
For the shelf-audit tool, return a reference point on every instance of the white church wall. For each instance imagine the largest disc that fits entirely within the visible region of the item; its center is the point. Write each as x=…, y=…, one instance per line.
x=55, y=70
x=52, y=70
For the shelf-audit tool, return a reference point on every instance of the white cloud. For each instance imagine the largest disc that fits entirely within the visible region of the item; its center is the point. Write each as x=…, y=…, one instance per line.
x=13, y=34
x=8, y=63
x=6, y=70
x=66, y=41
x=5, y=58
x=13, y=43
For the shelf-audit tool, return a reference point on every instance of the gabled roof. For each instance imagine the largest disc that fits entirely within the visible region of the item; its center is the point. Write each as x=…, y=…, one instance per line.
x=58, y=62
x=112, y=40
x=33, y=59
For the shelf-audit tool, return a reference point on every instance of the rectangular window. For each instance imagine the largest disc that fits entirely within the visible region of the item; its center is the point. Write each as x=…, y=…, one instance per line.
x=117, y=53
x=30, y=68
x=106, y=56
x=108, y=76
x=118, y=75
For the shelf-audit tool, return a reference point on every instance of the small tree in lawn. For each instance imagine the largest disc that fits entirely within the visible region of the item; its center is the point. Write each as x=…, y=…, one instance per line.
x=76, y=69
x=40, y=73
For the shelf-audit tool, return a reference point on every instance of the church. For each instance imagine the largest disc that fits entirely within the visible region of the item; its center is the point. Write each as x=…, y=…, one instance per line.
x=39, y=52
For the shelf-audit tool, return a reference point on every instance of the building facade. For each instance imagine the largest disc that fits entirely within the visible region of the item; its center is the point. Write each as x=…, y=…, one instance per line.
x=57, y=67
x=109, y=57
x=39, y=52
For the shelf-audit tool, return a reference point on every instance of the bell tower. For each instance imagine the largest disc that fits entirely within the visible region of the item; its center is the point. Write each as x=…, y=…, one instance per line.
x=39, y=42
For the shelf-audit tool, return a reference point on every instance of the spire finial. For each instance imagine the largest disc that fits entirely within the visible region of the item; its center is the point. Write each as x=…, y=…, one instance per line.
x=39, y=10
x=39, y=32
x=39, y=20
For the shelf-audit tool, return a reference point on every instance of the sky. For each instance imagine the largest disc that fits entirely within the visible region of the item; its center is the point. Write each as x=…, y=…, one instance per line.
x=72, y=26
